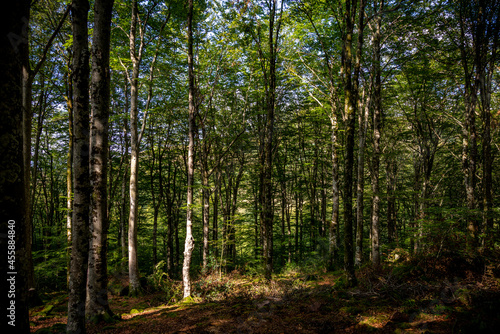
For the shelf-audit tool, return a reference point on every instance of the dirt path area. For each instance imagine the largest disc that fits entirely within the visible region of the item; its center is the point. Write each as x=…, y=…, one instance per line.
x=294, y=306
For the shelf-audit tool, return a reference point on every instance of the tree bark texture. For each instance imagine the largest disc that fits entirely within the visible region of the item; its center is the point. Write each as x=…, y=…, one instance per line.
x=97, y=292
x=81, y=181
x=189, y=242
x=135, y=56
x=377, y=130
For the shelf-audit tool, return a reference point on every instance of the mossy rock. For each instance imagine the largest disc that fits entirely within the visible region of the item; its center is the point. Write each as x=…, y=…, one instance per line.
x=47, y=309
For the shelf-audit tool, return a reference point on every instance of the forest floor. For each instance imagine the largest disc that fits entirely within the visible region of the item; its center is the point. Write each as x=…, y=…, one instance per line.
x=430, y=296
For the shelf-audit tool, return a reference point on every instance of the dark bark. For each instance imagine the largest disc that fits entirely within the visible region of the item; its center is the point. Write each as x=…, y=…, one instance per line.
x=377, y=129
x=268, y=64
x=350, y=98
x=81, y=182
x=14, y=221
x=391, y=170
x=97, y=293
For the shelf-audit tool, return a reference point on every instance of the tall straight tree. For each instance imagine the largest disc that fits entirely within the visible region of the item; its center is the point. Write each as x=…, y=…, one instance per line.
x=350, y=106
x=97, y=292
x=470, y=25
x=28, y=77
x=377, y=123
x=81, y=182
x=14, y=43
x=189, y=243
x=136, y=57
x=268, y=59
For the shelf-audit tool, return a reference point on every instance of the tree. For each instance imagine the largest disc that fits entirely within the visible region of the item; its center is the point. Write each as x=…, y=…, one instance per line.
x=268, y=59
x=189, y=243
x=14, y=220
x=81, y=182
x=377, y=128
x=97, y=292
x=350, y=100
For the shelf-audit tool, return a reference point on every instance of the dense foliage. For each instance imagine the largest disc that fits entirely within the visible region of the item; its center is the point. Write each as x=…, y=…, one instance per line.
x=426, y=133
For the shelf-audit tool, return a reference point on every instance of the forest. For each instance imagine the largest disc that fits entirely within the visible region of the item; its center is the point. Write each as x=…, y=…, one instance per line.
x=256, y=166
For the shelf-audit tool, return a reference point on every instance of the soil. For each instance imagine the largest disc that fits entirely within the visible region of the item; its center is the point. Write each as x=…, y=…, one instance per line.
x=298, y=304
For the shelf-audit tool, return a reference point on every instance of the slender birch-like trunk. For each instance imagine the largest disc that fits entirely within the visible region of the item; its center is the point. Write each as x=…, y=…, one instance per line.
x=189, y=242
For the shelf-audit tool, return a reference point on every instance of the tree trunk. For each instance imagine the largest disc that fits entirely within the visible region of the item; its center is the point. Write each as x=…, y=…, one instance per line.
x=133, y=271
x=189, y=243
x=350, y=98
x=81, y=182
x=69, y=167
x=215, y=220
x=377, y=124
x=14, y=220
x=333, y=244
x=97, y=287
x=123, y=207
x=270, y=83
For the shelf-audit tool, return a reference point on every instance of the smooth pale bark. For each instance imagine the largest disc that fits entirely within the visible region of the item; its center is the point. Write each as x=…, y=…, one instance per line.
x=189, y=242
x=333, y=230
x=136, y=57
x=69, y=166
x=14, y=43
x=123, y=205
x=97, y=293
x=81, y=181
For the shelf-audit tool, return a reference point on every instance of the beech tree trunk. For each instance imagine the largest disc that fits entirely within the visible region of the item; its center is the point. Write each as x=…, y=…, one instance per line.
x=123, y=205
x=350, y=99
x=189, y=242
x=81, y=181
x=69, y=166
x=97, y=292
x=333, y=230
x=136, y=57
